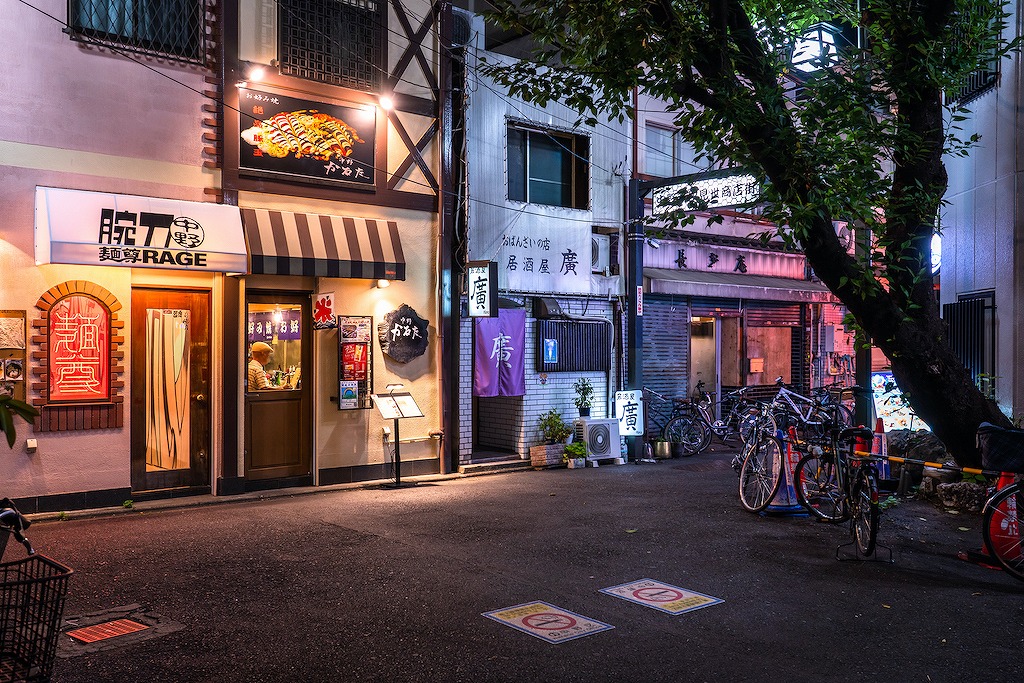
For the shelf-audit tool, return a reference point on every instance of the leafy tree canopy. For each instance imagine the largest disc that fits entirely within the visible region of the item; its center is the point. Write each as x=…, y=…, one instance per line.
x=860, y=139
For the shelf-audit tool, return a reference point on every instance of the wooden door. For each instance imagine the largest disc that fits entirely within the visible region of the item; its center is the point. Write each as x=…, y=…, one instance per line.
x=170, y=408
x=278, y=417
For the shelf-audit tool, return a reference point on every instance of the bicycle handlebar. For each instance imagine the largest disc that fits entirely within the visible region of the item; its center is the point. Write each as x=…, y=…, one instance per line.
x=13, y=521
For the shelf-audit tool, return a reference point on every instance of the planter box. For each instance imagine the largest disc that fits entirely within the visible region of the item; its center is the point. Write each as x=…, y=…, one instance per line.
x=575, y=463
x=547, y=455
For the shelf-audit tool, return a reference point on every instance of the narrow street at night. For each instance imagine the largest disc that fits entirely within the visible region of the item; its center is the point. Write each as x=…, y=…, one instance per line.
x=372, y=584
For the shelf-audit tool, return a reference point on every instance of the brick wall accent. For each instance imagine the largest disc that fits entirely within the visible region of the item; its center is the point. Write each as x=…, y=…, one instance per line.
x=60, y=417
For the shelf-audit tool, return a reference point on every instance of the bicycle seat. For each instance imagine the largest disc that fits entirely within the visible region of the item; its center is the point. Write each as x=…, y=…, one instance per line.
x=851, y=433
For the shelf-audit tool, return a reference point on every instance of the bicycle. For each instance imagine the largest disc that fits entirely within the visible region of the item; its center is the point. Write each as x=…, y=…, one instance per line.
x=809, y=415
x=761, y=462
x=738, y=421
x=32, y=593
x=674, y=420
x=837, y=483
x=1002, y=453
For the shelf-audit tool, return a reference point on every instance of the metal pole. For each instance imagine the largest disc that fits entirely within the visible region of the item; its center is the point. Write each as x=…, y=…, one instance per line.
x=634, y=297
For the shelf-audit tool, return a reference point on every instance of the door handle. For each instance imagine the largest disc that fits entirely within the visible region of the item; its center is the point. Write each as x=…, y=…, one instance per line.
x=199, y=398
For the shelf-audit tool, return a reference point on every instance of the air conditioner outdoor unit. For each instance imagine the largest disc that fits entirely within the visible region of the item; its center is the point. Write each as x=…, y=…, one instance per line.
x=601, y=254
x=601, y=436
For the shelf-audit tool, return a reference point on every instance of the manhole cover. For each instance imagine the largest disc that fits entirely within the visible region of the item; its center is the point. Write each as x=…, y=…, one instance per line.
x=111, y=628
x=108, y=629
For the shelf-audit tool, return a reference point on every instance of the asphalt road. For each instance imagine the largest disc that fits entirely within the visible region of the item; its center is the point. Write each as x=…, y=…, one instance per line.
x=391, y=585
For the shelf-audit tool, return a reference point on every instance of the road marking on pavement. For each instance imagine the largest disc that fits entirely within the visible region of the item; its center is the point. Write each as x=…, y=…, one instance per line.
x=662, y=596
x=547, y=622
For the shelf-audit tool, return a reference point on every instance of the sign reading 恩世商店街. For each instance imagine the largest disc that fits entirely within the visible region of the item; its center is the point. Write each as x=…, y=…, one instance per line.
x=101, y=229
x=702, y=191
x=288, y=137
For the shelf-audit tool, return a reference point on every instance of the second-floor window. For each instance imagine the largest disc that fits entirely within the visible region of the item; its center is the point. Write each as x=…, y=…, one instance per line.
x=174, y=29
x=548, y=167
x=339, y=42
x=661, y=151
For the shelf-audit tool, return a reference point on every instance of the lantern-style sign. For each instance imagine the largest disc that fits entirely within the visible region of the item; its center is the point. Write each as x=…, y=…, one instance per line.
x=403, y=334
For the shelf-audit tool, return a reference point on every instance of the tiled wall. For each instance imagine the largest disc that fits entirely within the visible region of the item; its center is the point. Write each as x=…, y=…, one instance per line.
x=510, y=423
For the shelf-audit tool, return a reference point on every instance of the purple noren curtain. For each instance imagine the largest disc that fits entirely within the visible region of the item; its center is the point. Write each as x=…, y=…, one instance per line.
x=499, y=354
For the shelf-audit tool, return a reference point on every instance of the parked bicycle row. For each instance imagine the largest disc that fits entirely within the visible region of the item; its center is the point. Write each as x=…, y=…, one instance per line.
x=688, y=426
x=836, y=479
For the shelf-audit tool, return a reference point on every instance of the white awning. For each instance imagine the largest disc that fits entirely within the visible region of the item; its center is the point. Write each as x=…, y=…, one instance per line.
x=734, y=286
x=101, y=229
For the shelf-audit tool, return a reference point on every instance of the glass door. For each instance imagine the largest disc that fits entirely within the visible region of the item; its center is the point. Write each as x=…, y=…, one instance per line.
x=170, y=414
x=278, y=391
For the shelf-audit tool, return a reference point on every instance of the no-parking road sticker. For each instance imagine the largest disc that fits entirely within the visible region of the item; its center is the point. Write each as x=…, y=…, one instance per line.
x=662, y=596
x=547, y=622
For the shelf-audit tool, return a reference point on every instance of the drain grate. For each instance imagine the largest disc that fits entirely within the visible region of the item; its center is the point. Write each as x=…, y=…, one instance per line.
x=109, y=629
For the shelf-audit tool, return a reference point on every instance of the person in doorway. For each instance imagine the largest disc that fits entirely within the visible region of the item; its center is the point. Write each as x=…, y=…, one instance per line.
x=260, y=354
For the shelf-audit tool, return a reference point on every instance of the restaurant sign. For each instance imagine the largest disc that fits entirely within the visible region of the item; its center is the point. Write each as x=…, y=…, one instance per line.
x=304, y=139
x=100, y=229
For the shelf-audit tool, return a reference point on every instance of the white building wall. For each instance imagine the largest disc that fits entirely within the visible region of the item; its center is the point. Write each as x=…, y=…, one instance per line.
x=984, y=219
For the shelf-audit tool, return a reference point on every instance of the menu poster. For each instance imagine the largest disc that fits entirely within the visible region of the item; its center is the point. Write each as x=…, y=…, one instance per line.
x=353, y=361
x=349, y=398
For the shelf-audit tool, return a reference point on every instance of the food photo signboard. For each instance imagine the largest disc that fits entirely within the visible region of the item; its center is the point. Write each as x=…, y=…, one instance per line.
x=305, y=139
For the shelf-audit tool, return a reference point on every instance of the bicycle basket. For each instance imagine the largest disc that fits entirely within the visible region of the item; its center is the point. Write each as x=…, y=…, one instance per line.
x=1002, y=449
x=32, y=592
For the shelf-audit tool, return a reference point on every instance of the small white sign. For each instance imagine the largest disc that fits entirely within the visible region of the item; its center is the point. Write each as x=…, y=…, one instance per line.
x=713, y=193
x=482, y=289
x=662, y=596
x=547, y=622
x=629, y=409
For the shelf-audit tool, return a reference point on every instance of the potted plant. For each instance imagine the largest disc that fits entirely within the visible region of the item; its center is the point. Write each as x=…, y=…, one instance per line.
x=576, y=454
x=554, y=431
x=584, y=395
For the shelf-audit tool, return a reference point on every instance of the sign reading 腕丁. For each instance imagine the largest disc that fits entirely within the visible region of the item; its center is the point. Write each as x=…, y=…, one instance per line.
x=100, y=229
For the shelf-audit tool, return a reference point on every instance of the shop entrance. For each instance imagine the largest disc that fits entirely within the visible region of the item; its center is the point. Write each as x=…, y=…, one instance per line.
x=278, y=391
x=715, y=353
x=170, y=410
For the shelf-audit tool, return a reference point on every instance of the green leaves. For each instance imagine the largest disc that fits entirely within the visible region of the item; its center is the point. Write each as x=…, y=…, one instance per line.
x=9, y=407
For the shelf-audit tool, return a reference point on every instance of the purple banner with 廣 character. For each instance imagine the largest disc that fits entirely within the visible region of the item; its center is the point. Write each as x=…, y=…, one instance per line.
x=499, y=355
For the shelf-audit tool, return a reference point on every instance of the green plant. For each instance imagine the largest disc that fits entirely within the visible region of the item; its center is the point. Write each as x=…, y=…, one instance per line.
x=584, y=393
x=553, y=427
x=128, y=504
x=63, y=516
x=9, y=407
x=576, y=449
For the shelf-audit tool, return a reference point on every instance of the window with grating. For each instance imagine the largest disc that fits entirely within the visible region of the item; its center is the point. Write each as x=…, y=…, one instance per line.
x=173, y=29
x=977, y=82
x=340, y=42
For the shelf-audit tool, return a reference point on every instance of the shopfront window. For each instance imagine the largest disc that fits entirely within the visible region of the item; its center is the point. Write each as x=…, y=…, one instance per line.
x=274, y=336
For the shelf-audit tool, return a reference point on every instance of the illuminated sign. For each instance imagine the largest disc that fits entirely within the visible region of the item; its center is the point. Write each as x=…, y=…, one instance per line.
x=79, y=343
x=100, y=229
x=700, y=192
x=629, y=409
x=482, y=289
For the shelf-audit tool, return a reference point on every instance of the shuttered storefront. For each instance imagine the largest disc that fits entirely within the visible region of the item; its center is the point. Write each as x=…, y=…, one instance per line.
x=666, y=344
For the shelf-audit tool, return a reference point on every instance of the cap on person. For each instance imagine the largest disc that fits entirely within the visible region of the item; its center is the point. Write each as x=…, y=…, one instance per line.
x=261, y=347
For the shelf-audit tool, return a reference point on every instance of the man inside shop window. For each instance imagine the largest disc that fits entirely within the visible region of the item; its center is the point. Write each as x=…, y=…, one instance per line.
x=260, y=353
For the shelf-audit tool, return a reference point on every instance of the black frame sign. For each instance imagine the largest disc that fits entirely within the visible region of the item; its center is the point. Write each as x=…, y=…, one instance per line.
x=305, y=139
x=355, y=361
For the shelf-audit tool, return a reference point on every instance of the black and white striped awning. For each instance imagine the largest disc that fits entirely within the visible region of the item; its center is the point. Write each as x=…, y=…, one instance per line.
x=286, y=243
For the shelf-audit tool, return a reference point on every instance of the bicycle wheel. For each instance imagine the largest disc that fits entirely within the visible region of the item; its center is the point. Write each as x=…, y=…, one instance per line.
x=687, y=430
x=1001, y=529
x=864, y=511
x=817, y=488
x=760, y=473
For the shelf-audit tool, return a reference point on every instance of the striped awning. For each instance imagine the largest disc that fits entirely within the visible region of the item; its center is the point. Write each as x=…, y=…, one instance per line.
x=286, y=243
